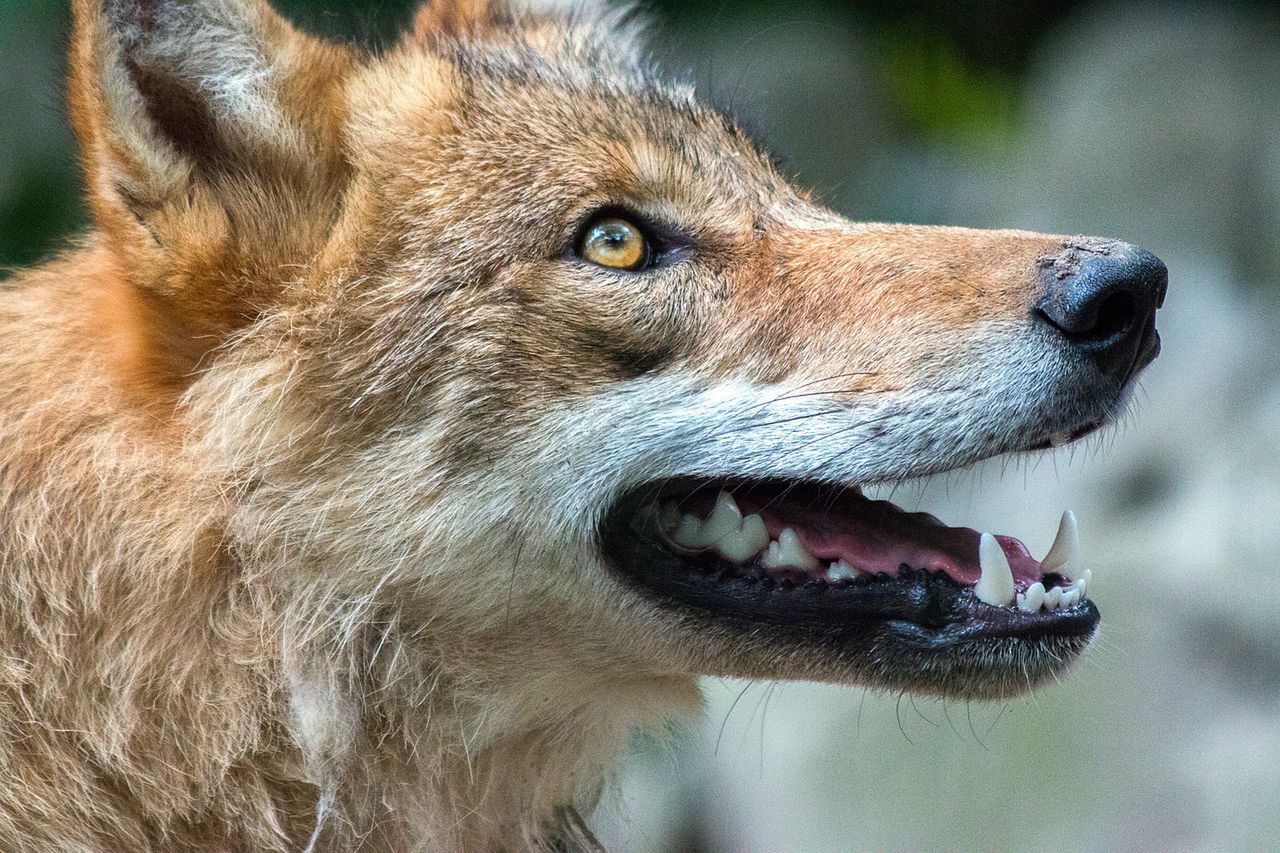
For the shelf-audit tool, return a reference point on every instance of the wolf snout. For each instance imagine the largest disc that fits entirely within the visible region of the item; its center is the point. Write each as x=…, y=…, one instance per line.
x=1102, y=297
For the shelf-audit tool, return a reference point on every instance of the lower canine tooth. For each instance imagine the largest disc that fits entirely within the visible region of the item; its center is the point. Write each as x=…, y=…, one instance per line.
x=995, y=587
x=788, y=551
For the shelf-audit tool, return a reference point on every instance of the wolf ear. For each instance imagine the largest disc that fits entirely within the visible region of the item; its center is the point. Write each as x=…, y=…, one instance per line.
x=167, y=93
x=209, y=131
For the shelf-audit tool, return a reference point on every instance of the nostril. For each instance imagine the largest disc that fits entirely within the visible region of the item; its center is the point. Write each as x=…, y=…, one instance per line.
x=1115, y=315
x=1101, y=296
x=1097, y=320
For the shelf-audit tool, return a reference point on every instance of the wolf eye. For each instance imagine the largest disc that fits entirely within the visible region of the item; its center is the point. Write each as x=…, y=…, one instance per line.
x=615, y=244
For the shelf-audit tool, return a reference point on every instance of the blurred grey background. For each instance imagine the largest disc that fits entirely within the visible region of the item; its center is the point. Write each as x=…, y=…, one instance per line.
x=1155, y=123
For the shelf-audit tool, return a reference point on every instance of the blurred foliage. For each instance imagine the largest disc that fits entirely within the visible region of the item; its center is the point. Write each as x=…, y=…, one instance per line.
x=942, y=96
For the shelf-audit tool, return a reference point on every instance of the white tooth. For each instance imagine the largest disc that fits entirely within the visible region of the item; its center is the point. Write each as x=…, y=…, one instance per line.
x=1070, y=598
x=1065, y=551
x=1021, y=601
x=788, y=551
x=1086, y=578
x=1035, y=597
x=755, y=533
x=841, y=571
x=1059, y=439
x=1053, y=598
x=725, y=519
x=734, y=545
x=689, y=533
x=669, y=516
x=995, y=587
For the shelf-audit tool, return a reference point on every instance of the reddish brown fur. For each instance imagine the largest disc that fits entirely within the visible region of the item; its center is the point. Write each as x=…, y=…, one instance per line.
x=179, y=567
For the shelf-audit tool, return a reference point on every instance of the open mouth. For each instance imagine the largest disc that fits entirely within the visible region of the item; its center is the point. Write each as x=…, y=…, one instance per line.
x=921, y=605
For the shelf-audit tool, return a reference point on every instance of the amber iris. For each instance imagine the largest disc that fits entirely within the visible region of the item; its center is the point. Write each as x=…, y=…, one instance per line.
x=616, y=244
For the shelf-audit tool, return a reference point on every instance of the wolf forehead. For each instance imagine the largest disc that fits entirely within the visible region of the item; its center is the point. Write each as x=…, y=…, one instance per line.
x=554, y=111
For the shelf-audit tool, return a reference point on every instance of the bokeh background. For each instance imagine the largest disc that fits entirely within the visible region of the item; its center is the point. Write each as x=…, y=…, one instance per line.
x=1155, y=123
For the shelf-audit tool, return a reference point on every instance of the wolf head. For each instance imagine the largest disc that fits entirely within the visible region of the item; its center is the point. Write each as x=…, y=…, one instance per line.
x=509, y=348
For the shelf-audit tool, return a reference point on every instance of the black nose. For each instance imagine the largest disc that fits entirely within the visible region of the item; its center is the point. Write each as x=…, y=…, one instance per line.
x=1102, y=295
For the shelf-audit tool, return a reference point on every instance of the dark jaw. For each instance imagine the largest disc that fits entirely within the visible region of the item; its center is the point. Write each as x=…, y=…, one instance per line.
x=918, y=630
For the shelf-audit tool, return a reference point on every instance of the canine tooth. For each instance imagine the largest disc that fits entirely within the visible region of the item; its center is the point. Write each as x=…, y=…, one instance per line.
x=841, y=571
x=755, y=533
x=788, y=551
x=689, y=533
x=1086, y=578
x=1065, y=550
x=1033, y=597
x=1053, y=598
x=1070, y=597
x=725, y=519
x=995, y=587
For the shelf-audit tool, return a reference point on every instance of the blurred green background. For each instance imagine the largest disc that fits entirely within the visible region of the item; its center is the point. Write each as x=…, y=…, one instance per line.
x=1155, y=123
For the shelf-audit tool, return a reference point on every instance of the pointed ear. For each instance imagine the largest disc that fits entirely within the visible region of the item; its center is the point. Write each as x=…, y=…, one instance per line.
x=210, y=132
x=167, y=93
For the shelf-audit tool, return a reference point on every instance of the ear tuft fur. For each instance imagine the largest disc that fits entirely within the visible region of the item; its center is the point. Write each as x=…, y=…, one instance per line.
x=551, y=26
x=202, y=124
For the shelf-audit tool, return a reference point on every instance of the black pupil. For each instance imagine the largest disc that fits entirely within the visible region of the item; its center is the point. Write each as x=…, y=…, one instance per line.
x=615, y=236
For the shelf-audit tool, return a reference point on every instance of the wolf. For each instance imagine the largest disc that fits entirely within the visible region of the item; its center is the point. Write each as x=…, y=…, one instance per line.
x=414, y=427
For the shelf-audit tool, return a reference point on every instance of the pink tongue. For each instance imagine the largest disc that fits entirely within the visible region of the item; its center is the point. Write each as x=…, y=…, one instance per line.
x=876, y=536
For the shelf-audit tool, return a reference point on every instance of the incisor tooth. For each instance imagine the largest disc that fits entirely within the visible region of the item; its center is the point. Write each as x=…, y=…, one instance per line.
x=1053, y=598
x=789, y=551
x=1065, y=551
x=1035, y=597
x=995, y=587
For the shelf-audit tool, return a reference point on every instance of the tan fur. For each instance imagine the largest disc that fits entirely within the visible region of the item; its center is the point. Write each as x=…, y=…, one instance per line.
x=267, y=473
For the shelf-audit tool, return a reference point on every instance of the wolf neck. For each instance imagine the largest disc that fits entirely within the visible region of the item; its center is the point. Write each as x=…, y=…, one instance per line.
x=242, y=711
x=426, y=751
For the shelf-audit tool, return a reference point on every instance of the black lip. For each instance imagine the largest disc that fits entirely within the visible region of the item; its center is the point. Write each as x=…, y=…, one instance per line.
x=905, y=616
